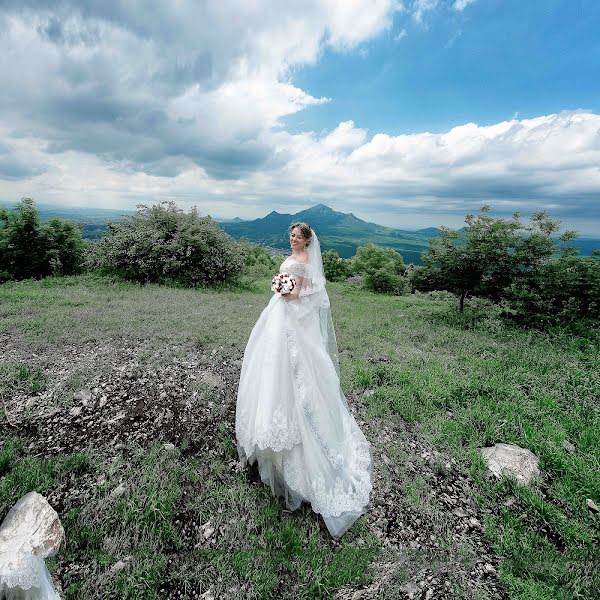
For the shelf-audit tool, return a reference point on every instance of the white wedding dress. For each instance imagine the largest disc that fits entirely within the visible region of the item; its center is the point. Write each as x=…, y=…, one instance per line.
x=292, y=416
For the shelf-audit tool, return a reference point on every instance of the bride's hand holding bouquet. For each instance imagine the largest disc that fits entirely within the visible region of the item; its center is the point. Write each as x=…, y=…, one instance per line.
x=284, y=284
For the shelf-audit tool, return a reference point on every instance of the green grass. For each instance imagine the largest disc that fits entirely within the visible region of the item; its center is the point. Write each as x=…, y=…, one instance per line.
x=470, y=383
x=465, y=381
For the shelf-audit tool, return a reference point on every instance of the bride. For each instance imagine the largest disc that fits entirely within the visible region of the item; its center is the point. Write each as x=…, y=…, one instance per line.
x=292, y=416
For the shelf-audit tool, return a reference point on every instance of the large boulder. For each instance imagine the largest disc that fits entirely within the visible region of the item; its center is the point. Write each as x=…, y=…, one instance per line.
x=512, y=460
x=30, y=533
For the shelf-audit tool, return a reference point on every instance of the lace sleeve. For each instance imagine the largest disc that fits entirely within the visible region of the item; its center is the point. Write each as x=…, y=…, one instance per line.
x=301, y=273
x=308, y=283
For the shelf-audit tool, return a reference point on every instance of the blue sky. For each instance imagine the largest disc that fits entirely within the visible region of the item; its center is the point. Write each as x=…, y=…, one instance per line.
x=411, y=113
x=494, y=59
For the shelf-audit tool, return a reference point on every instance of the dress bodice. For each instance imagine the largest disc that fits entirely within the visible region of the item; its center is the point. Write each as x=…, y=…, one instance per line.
x=294, y=267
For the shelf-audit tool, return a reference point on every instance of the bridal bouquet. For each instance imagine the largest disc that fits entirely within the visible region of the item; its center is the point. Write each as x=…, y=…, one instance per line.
x=283, y=283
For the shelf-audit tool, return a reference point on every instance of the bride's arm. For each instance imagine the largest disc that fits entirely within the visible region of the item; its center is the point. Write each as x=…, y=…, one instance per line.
x=296, y=293
x=295, y=271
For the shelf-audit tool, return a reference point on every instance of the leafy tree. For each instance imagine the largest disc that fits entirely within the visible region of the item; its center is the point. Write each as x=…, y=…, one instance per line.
x=335, y=267
x=64, y=246
x=30, y=249
x=161, y=243
x=382, y=268
x=564, y=291
x=489, y=255
x=21, y=242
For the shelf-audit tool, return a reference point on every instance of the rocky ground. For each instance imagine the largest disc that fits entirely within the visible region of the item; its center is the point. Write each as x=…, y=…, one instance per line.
x=120, y=394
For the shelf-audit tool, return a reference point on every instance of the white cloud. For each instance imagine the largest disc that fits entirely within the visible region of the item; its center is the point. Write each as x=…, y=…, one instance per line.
x=547, y=162
x=421, y=7
x=110, y=104
x=400, y=35
x=460, y=5
x=154, y=89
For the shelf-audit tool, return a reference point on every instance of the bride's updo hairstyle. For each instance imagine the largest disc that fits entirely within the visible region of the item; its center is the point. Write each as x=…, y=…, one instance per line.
x=305, y=230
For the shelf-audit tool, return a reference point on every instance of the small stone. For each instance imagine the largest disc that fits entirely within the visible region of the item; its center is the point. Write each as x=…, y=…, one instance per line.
x=512, y=460
x=83, y=396
x=122, y=564
x=118, y=491
x=591, y=505
x=75, y=411
x=169, y=446
x=410, y=589
x=474, y=523
x=489, y=569
x=568, y=446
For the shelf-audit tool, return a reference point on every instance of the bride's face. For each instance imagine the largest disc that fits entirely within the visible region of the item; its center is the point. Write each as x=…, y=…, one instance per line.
x=297, y=242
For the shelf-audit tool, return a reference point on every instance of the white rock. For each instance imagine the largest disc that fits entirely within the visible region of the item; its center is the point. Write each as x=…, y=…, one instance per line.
x=120, y=565
x=211, y=379
x=30, y=533
x=118, y=491
x=513, y=461
x=84, y=396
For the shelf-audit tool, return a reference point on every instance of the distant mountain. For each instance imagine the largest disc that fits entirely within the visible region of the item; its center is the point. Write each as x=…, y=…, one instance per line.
x=431, y=231
x=234, y=220
x=343, y=232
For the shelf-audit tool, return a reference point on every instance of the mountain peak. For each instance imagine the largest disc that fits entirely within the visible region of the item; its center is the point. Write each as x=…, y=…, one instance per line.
x=319, y=208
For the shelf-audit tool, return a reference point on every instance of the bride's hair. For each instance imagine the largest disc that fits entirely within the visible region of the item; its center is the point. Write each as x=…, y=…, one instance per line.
x=305, y=230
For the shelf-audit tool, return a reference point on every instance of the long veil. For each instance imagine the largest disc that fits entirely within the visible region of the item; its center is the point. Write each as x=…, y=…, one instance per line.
x=320, y=299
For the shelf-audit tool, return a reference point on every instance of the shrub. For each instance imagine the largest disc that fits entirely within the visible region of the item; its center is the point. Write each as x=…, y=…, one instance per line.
x=564, y=291
x=31, y=249
x=382, y=268
x=335, y=267
x=161, y=243
x=385, y=281
x=258, y=262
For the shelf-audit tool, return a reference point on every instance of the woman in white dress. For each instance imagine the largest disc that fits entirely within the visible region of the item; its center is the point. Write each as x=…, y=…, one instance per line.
x=292, y=416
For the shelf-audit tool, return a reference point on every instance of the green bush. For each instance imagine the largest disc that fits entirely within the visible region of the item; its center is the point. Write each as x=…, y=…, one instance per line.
x=564, y=291
x=163, y=244
x=335, y=267
x=386, y=282
x=31, y=249
x=258, y=262
x=382, y=268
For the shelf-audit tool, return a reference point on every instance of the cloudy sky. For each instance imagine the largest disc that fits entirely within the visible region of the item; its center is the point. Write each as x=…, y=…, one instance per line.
x=409, y=113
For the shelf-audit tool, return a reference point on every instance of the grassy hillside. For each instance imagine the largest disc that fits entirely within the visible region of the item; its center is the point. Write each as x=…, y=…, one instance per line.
x=119, y=405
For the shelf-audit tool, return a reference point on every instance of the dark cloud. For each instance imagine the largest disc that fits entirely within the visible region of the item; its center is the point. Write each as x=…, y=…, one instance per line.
x=12, y=168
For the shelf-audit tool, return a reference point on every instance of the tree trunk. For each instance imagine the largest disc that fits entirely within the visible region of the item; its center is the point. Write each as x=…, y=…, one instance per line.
x=463, y=295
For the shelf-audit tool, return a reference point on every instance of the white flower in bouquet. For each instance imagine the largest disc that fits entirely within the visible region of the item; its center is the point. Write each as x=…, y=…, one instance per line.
x=283, y=283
